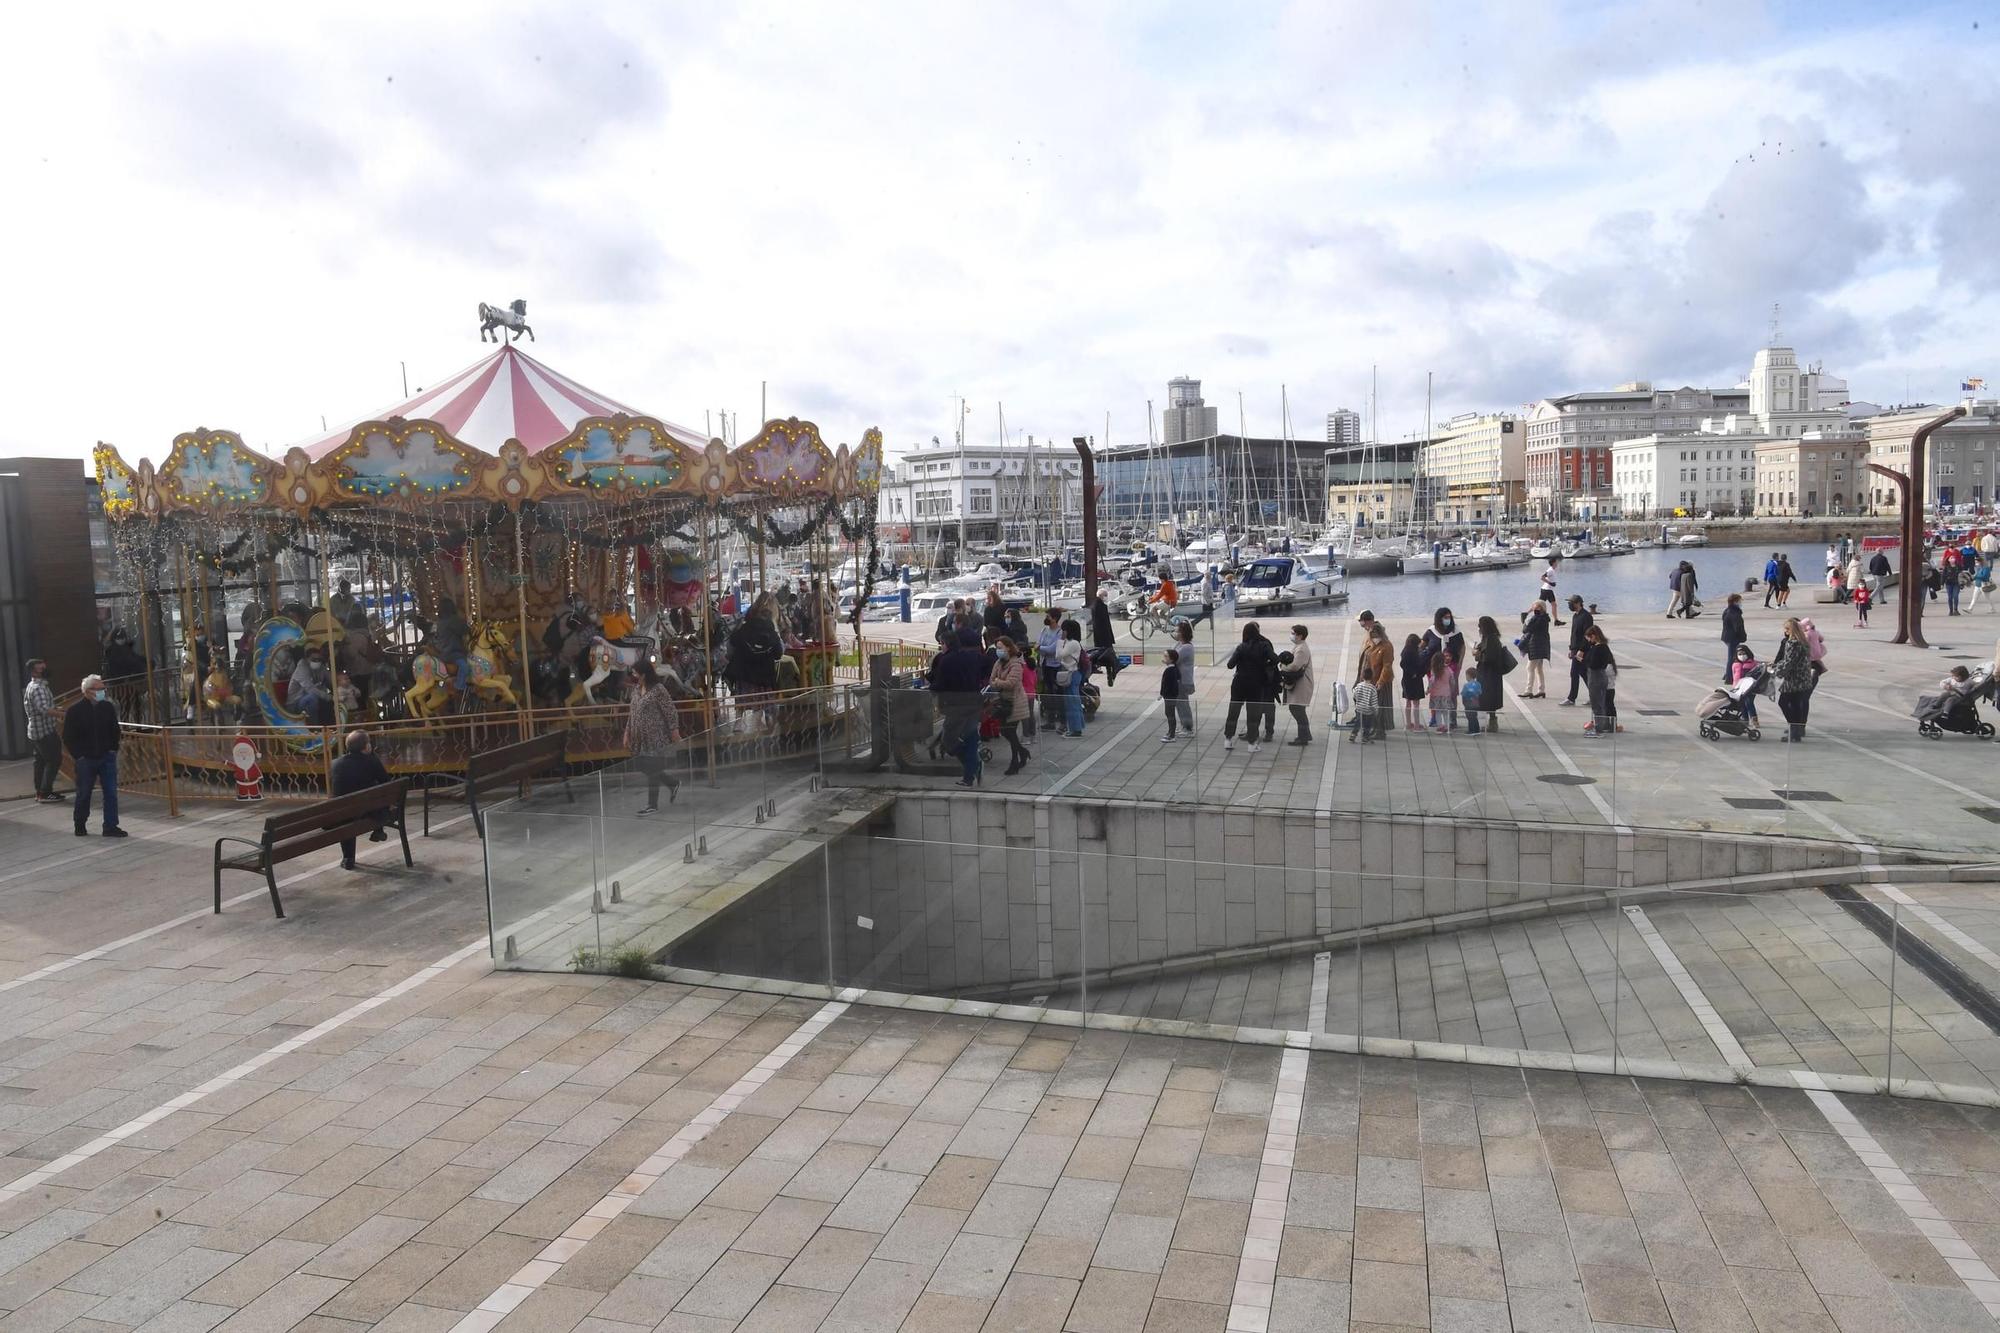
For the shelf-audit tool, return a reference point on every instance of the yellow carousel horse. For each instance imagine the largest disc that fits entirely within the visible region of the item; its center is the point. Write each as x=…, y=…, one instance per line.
x=427, y=697
x=491, y=664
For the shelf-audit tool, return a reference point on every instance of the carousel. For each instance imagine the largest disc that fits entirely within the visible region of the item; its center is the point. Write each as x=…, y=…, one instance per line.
x=482, y=562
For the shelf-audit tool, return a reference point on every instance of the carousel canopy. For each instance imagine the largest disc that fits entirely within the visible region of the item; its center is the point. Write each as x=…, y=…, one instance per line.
x=505, y=396
x=506, y=429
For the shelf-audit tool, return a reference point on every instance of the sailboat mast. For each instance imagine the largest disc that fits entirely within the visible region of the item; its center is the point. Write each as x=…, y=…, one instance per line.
x=964, y=492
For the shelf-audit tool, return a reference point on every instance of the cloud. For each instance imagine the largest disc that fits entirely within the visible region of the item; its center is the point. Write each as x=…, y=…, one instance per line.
x=1054, y=208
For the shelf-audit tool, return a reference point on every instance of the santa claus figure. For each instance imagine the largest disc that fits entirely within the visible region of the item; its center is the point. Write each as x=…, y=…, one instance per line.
x=249, y=777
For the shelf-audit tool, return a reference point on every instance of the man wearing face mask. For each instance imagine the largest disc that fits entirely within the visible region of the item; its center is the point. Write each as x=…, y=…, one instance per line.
x=90, y=731
x=311, y=693
x=44, y=730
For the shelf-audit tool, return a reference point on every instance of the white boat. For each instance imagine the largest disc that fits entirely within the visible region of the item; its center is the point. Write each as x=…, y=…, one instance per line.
x=1541, y=550
x=1693, y=538
x=1281, y=583
x=1500, y=557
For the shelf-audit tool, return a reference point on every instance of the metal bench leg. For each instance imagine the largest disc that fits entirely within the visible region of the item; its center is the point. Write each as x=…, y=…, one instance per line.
x=271, y=878
x=218, y=881
x=403, y=832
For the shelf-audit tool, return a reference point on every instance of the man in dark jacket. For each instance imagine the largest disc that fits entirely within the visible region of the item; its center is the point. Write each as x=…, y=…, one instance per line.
x=358, y=770
x=1733, y=633
x=957, y=676
x=1103, y=638
x=1580, y=621
x=90, y=733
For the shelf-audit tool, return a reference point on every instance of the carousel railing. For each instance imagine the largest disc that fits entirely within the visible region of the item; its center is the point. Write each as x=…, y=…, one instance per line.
x=730, y=732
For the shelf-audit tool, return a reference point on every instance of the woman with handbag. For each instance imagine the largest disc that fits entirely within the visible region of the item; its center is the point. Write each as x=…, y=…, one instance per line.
x=1069, y=677
x=651, y=729
x=1600, y=676
x=1298, y=677
x=1795, y=672
x=1490, y=663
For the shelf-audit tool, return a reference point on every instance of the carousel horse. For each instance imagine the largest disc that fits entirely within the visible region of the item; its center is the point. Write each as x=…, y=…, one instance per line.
x=603, y=661
x=487, y=665
x=429, y=691
x=219, y=697
x=513, y=318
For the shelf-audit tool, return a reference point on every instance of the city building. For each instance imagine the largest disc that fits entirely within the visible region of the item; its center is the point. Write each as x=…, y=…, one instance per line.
x=1962, y=463
x=1478, y=466
x=1568, y=457
x=1812, y=474
x=46, y=582
x=1787, y=402
x=1227, y=478
x=1370, y=485
x=1654, y=475
x=1187, y=417
x=1343, y=426
x=1015, y=494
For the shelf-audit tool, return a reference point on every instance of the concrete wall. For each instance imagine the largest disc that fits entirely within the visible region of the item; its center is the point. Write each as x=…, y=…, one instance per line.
x=952, y=893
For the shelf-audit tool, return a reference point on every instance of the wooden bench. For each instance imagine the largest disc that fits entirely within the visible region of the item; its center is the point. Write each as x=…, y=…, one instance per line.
x=294, y=833
x=490, y=771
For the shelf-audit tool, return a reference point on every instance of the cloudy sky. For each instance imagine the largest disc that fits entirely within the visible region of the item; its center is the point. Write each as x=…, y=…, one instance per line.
x=249, y=217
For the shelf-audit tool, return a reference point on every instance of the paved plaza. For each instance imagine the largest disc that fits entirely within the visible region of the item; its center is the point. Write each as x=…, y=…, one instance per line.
x=348, y=1119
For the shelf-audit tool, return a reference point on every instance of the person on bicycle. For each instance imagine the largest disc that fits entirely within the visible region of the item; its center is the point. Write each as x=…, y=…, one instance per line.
x=1167, y=594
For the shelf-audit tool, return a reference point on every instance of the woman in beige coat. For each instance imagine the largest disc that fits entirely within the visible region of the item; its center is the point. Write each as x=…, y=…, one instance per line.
x=1299, y=685
x=1006, y=684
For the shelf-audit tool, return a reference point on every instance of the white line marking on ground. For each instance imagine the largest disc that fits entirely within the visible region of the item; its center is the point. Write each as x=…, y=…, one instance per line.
x=1257, y=1269
x=1332, y=768
x=1711, y=1022
x=220, y=1081
x=1940, y=925
x=90, y=955
x=106, y=848
x=1322, y=975
x=1056, y=788
x=1823, y=734
x=505, y=1298
x=1590, y=793
x=1979, y=1279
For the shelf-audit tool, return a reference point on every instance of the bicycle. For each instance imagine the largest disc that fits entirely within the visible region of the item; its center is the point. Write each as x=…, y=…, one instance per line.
x=1150, y=618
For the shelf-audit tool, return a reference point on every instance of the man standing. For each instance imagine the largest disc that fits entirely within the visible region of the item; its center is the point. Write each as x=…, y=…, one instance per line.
x=44, y=730
x=1580, y=621
x=342, y=604
x=90, y=730
x=1104, y=639
x=1548, y=593
x=358, y=770
x=1770, y=577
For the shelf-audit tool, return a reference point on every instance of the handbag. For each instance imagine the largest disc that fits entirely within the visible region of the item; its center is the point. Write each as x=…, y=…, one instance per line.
x=1063, y=676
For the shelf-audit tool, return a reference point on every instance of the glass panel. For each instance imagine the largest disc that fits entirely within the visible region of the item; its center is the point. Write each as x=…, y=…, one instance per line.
x=541, y=879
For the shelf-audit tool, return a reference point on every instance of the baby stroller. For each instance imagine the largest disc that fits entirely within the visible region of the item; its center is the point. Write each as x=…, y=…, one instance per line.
x=1956, y=710
x=1721, y=713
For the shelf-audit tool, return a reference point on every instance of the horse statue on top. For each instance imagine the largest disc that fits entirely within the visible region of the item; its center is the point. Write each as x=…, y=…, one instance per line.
x=513, y=318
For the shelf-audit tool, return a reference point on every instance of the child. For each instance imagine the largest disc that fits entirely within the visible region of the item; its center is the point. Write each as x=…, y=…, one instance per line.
x=1365, y=715
x=1412, y=665
x=1173, y=700
x=1444, y=692
x=1746, y=664
x=1862, y=598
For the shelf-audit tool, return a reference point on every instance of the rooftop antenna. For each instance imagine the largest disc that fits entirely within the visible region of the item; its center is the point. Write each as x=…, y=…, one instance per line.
x=1774, y=324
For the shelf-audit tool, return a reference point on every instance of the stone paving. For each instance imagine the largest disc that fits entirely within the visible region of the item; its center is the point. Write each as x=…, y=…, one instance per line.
x=900, y=1169
x=1659, y=773
x=347, y=1119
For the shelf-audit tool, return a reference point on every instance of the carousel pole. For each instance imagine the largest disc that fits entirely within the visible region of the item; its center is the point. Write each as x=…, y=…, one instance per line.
x=146, y=637
x=321, y=563
x=708, y=648
x=182, y=595
x=521, y=605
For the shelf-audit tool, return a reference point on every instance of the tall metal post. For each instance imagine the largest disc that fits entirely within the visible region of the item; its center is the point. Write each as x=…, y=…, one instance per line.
x=521, y=608
x=1910, y=486
x=1089, y=519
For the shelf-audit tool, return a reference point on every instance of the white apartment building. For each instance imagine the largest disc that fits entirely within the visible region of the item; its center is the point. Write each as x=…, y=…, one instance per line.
x=1005, y=493
x=1343, y=426
x=1653, y=475
x=1477, y=467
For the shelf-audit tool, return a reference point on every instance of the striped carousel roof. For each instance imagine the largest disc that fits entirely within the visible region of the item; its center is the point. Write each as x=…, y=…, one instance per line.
x=505, y=396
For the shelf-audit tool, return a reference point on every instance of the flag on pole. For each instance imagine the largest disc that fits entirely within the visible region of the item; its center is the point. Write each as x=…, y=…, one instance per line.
x=1975, y=382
